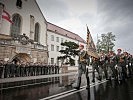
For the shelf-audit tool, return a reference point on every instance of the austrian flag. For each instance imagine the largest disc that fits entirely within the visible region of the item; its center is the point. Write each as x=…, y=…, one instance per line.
x=6, y=16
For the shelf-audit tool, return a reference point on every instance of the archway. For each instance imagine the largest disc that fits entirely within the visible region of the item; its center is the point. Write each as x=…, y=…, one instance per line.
x=21, y=57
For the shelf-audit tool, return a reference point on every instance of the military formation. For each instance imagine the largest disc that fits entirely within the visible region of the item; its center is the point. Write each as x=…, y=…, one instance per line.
x=117, y=66
x=23, y=69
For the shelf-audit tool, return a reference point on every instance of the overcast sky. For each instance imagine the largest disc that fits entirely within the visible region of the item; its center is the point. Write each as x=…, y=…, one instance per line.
x=101, y=16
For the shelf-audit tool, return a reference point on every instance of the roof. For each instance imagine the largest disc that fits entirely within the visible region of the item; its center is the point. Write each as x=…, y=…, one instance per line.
x=64, y=32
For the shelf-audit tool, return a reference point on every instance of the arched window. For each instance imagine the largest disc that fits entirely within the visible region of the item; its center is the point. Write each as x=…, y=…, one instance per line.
x=37, y=29
x=16, y=26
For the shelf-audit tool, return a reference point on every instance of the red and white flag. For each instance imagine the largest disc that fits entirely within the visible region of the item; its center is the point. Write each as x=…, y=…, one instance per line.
x=6, y=16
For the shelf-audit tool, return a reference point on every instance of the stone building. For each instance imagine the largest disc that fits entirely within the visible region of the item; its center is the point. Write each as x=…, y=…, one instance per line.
x=25, y=39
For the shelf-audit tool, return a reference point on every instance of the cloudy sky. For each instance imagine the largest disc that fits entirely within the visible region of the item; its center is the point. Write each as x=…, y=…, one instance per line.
x=101, y=16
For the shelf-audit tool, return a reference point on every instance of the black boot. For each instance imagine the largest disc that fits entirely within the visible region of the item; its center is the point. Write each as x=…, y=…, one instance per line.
x=93, y=80
x=99, y=78
x=88, y=83
x=78, y=83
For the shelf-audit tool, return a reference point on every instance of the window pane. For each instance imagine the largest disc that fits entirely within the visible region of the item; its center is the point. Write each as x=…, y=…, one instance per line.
x=62, y=48
x=61, y=40
x=36, y=36
x=57, y=39
x=52, y=60
x=52, y=47
x=57, y=62
x=16, y=26
x=52, y=37
x=57, y=48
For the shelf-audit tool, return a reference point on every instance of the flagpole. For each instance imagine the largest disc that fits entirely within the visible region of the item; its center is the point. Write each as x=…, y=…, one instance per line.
x=1, y=11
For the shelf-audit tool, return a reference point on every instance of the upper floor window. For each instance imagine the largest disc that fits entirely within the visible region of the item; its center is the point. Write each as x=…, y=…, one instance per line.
x=52, y=47
x=52, y=37
x=37, y=30
x=61, y=40
x=62, y=48
x=16, y=26
x=57, y=39
x=57, y=48
x=19, y=3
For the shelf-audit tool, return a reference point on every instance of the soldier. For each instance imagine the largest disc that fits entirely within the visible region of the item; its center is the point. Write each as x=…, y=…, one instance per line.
x=120, y=58
x=27, y=69
x=31, y=66
x=7, y=70
x=13, y=69
x=83, y=61
x=131, y=64
x=103, y=64
x=18, y=69
x=22, y=69
x=49, y=69
x=46, y=70
x=111, y=65
x=53, y=69
x=95, y=64
x=1, y=68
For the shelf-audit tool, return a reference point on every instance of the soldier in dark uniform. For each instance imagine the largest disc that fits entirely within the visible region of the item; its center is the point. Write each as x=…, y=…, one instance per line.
x=13, y=69
x=121, y=66
x=39, y=68
x=1, y=68
x=34, y=69
x=53, y=68
x=7, y=70
x=49, y=69
x=31, y=71
x=43, y=69
x=22, y=69
x=18, y=69
x=131, y=64
x=103, y=64
x=111, y=65
x=27, y=69
x=58, y=69
x=95, y=64
x=83, y=61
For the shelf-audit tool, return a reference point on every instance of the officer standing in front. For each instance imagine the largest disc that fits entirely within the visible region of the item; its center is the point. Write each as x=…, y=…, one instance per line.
x=83, y=61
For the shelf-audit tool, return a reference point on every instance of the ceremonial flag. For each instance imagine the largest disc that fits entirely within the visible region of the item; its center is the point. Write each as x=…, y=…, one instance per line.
x=91, y=48
x=6, y=16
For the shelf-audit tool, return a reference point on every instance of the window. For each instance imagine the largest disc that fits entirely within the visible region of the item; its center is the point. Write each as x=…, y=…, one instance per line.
x=19, y=3
x=16, y=26
x=52, y=47
x=52, y=60
x=57, y=39
x=52, y=37
x=57, y=62
x=62, y=48
x=37, y=29
x=61, y=40
x=57, y=48
x=32, y=19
